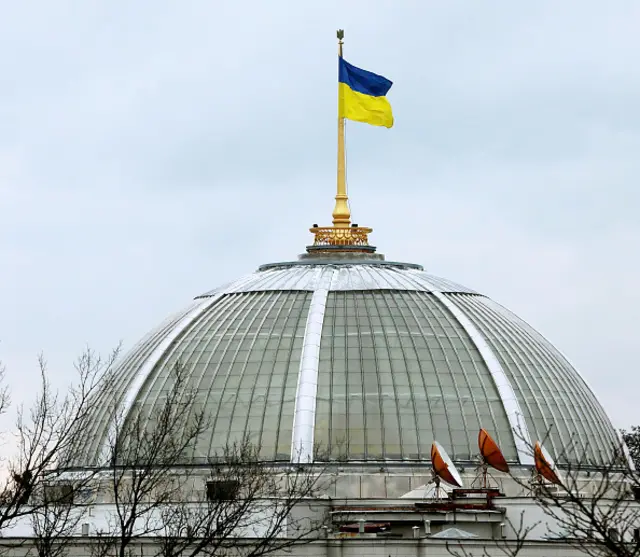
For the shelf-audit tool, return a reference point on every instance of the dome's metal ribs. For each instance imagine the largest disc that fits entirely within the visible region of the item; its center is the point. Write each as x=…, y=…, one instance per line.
x=539, y=355
x=371, y=418
x=304, y=415
x=566, y=375
x=597, y=417
x=424, y=445
x=271, y=310
x=527, y=356
x=505, y=389
x=603, y=418
x=185, y=352
x=434, y=319
x=222, y=423
x=426, y=283
x=214, y=337
x=150, y=363
x=398, y=377
x=489, y=391
x=438, y=285
x=284, y=431
x=521, y=382
x=527, y=360
x=113, y=393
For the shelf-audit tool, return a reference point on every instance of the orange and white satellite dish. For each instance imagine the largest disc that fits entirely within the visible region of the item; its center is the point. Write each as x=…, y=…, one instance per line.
x=544, y=464
x=443, y=465
x=491, y=453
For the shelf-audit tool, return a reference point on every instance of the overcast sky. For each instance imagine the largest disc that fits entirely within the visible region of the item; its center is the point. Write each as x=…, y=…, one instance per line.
x=150, y=151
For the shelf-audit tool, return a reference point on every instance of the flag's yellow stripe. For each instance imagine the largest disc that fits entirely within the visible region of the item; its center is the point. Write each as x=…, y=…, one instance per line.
x=364, y=108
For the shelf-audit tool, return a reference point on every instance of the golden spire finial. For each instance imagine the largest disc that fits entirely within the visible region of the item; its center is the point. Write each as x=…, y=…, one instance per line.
x=342, y=236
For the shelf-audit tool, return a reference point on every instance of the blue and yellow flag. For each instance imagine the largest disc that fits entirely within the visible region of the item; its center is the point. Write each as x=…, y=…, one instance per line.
x=361, y=96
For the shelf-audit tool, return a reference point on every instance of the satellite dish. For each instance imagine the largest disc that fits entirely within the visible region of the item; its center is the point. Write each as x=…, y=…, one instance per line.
x=443, y=465
x=544, y=464
x=490, y=452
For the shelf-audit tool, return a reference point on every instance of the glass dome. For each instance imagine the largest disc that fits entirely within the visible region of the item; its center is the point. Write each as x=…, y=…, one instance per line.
x=369, y=360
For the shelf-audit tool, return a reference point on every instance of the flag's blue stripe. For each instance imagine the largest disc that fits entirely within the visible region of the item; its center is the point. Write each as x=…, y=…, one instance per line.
x=362, y=81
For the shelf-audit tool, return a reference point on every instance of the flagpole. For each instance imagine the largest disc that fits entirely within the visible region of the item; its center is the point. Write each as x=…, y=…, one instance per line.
x=341, y=214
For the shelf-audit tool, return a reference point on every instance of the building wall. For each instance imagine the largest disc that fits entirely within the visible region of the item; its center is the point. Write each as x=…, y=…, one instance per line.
x=354, y=547
x=357, y=481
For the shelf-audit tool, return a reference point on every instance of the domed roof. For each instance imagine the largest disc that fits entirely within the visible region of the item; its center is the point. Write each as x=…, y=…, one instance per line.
x=368, y=359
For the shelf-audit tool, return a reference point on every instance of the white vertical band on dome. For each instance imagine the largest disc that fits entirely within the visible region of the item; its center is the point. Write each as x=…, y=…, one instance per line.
x=150, y=363
x=511, y=405
x=304, y=415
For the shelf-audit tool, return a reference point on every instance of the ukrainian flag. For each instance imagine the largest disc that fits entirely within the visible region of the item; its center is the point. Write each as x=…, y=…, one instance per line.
x=361, y=95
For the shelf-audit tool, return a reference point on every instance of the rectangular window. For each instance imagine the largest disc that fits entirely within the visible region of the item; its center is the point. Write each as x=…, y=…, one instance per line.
x=59, y=494
x=222, y=490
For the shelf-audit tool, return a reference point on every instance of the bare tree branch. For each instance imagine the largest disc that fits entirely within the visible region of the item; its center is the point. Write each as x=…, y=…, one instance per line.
x=273, y=507
x=45, y=436
x=145, y=448
x=592, y=507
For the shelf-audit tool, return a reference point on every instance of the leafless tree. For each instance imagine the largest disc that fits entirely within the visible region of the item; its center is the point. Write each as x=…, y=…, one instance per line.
x=632, y=440
x=54, y=523
x=44, y=437
x=5, y=398
x=249, y=508
x=157, y=495
x=591, y=507
x=145, y=448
